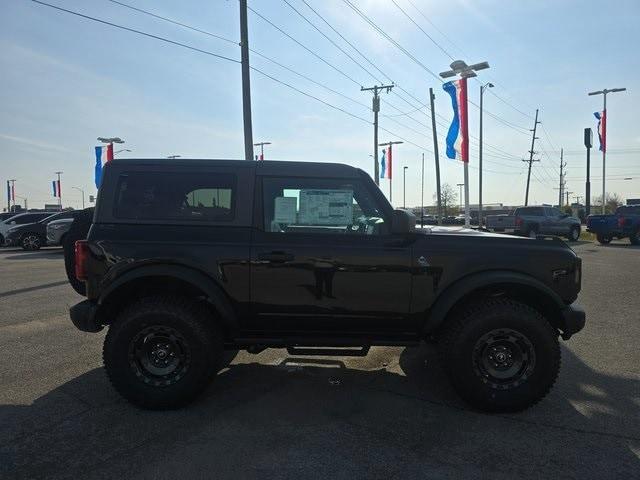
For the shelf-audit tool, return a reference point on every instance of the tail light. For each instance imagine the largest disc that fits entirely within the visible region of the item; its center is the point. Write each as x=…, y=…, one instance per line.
x=519, y=222
x=82, y=255
x=620, y=222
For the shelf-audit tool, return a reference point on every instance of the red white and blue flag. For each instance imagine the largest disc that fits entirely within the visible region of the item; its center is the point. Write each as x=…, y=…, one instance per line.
x=386, y=165
x=458, y=134
x=104, y=154
x=602, y=129
x=55, y=186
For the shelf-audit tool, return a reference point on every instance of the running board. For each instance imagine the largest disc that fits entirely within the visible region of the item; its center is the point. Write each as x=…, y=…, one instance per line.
x=328, y=351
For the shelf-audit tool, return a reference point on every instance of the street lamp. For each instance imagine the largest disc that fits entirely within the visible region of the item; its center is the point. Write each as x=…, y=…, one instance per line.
x=404, y=187
x=81, y=191
x=110, y=140
x=120, y=151
x=173, y=157
x=459, y=67
x=261, y=145
x=482, y=89
x=603, y=136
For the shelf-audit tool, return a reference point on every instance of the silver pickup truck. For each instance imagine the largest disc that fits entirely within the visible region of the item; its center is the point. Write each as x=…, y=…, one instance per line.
x=538, y=220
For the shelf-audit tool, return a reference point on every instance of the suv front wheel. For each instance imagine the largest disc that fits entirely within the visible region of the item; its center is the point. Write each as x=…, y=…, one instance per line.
x=501, y=356
x=161, y=352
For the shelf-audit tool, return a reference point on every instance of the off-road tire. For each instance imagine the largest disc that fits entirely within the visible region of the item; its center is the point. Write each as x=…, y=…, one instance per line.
x=458, y=349
x=603, y=239
x=574, y=233
x=634, y=238
x=192, y=323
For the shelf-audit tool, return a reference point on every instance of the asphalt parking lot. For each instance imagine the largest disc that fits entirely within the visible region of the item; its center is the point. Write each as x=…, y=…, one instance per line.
x=389, y=415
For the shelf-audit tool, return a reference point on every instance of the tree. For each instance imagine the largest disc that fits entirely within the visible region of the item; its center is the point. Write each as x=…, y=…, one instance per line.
x=613, y=201
x=448, y=197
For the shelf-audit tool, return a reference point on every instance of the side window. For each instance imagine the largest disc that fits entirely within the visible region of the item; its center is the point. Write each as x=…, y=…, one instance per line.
x=189, y=197
x=320, y=206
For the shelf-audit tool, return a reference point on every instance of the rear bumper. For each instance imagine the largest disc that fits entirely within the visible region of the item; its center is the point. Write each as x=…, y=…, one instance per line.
x=83, y=316
x=573, y=320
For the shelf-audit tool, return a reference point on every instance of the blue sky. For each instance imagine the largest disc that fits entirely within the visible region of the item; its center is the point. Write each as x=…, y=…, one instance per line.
x=66, y=81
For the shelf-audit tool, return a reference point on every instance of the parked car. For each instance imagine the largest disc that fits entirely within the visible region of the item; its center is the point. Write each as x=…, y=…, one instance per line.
x=186, y=258
x=57, y=229
x=624, y=223
x=6, y=215
x=536, y=220
x=33, y=236
x=20, y=219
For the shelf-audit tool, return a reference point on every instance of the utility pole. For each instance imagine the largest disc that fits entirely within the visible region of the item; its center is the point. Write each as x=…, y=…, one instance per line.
x=603, y=137
x=531, y=160
x=568, y=193
x=261, y=145
x=562, y=175
x=375, y=106
x=577, y=199
x=59, y=190
x=437, y=159
x=389, y=165
x=246, y=82
x=81, y=191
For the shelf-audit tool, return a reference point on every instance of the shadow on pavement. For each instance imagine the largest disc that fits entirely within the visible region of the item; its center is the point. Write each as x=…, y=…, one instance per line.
x=34, y=288
x=308, y=418
x=39, y=254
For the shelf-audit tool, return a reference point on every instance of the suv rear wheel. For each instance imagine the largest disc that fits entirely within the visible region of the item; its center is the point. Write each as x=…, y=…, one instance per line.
x=501, y=356
x=162, y=352
x=603, y=239
x=634, y=238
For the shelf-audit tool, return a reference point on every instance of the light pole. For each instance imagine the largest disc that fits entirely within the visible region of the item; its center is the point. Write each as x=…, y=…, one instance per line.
x=81, y=191
x=459, y=67
x=110, y=141
x=460, y=185
x=482, y=89
x=603, y=136
x=120, y=151
x=261, y=145
x=404, y=187
x=12, y=197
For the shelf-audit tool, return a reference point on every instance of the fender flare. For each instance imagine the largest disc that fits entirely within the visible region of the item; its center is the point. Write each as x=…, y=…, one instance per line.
x=214, y=294
x=461, y=288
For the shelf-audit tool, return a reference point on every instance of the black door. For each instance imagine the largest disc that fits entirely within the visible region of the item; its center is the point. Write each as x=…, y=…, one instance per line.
x=323, y=259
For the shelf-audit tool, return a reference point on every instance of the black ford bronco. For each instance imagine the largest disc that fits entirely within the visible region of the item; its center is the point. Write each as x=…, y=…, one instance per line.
x=187, y=258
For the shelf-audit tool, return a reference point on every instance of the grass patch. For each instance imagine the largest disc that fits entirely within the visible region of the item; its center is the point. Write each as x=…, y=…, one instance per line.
x=587, y=236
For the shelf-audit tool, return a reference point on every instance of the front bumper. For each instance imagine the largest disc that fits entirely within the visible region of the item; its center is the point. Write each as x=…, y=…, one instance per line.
x=83, y=316
x=573, y=320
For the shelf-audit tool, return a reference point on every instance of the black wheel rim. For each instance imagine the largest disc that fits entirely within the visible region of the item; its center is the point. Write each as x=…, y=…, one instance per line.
x=503, y=358
x=31, y=242
x=159, y=356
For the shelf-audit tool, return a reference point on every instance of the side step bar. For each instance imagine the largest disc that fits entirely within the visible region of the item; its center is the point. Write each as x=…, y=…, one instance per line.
x=329, y=351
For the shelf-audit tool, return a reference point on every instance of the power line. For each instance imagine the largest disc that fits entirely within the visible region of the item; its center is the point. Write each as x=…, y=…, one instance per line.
x=139, y=32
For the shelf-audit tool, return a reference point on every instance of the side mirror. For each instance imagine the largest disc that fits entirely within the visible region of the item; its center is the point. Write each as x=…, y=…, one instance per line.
x=403, y=222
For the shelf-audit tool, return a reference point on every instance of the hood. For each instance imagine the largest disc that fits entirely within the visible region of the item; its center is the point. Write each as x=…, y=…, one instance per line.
x=467, y=232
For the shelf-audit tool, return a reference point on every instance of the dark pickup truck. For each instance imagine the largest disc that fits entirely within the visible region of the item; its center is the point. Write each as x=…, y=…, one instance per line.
x=625, y=223
x=185, y=259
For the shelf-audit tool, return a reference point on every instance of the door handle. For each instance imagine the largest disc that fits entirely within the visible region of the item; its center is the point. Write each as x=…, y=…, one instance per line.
x=275, y=257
